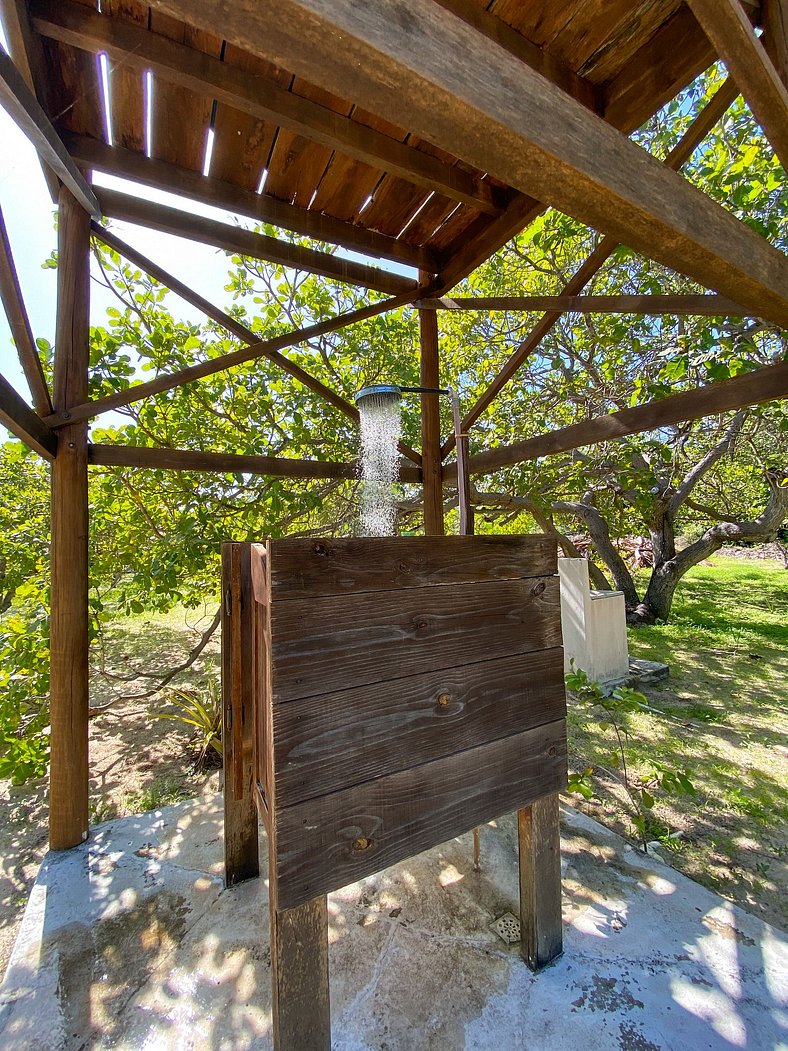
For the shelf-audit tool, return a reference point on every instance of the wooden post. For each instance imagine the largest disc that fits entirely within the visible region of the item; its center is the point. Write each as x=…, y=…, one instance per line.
x=541, y=938
x=239, y=695
x=299, y=973
x=432, y=485
x=69, y=640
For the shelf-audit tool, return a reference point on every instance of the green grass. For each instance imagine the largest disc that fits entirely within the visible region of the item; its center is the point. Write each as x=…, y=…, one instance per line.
x=724, y=721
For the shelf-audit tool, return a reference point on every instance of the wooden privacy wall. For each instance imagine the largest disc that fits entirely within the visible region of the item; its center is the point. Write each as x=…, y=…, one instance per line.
x=410, y=689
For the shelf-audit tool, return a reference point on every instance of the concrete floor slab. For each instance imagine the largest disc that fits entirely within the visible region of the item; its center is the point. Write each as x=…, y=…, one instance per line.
x=130, y=941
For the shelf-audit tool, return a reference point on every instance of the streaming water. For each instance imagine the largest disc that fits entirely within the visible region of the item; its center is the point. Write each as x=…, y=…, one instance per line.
x=381, y=427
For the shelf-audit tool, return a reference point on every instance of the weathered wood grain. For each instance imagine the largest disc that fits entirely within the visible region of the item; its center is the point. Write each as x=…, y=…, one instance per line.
x=69, y=622
x=322, y=645
x=299, y=975
x=327, y=743
x=326, y=843
x=240, y=693
x=431, y=487
x=541, y=937
x=90, y=153
x=324, y=566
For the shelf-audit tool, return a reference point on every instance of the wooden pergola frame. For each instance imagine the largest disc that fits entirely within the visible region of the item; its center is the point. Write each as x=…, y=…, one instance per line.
x=560, y=153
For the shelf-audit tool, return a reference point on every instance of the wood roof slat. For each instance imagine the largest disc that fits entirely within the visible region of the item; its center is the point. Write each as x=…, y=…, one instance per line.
x=74, y=94
x=540, y=22
x=600, y=23
x=632, y=32
x=126, y=84
x=243, y=142
x=181, y=117
x=670, y=60
x=345, y=186
x=421, y=229
x=392, y=206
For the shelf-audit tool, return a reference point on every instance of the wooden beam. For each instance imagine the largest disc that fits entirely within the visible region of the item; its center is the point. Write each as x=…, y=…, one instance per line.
x=775, y=35
x=159, y=459
x=539, y=840
x=235, y=239
x=752, y=388
x=19, y=323
x=142, y=49
x=69, y=621
x=17, y=417
x=24, y=47
x=679, y=155
x=521, y=47
x=501, y=116
x=432, y=489
x=128, y=164
x=25, y=110
x=729, y=30
x=678, y=305
x=240, y=676
x=255, y=348
x=544, y=325
x=301, y=1002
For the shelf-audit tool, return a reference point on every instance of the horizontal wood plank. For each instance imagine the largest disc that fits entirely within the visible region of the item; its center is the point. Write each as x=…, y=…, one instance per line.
x=325, y=566
x=325, y=644
x=679, y=305
x=244, y=242
x=752, y=388
x=327, y=743
x=326, y=843
x=159, y=458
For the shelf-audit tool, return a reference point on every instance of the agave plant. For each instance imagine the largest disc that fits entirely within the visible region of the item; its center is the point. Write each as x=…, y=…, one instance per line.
x=201, y=709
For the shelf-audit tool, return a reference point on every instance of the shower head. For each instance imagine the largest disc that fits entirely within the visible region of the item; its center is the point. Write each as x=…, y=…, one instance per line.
x=387, y=393
x=379, y=394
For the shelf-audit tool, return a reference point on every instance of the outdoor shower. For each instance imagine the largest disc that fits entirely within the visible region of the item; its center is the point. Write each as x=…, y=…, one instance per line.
x=380, y=402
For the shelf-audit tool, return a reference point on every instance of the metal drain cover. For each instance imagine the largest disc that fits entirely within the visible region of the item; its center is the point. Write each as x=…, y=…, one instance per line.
x=507, y=927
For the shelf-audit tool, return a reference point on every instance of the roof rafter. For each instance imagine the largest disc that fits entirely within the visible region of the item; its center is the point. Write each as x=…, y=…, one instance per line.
x=751, y=388
x=729, y=30
x=150, y=171
x=236, y=239
x=142, y=49
x=19, y=323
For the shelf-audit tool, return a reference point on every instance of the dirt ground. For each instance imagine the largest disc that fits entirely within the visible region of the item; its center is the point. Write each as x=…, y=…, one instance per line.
x=137, y=763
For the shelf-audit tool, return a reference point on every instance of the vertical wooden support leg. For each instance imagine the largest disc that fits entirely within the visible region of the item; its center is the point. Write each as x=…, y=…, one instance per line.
x=540, y=883
x=239, y=679
x=299, y=974
x=69, y=627
x=432, y=484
